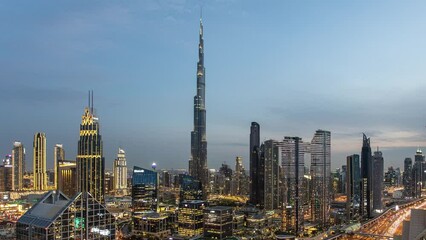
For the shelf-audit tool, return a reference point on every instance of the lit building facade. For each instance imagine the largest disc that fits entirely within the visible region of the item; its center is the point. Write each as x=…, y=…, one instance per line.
x=320, y=150
x=240, y=179
x=90, y=159
x=366, y=205
x=120, y=172
x=198, y=162
x=39, y=162
x=144, y=191
x=67, y=177
x=218, y=222
x=6, y=174
x=56, y=216
x=190, y=218
x=292, y=153
x=18, y=163
x=378, y=176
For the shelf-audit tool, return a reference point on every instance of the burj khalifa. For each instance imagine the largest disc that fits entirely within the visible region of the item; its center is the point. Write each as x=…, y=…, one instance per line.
x=198, y=160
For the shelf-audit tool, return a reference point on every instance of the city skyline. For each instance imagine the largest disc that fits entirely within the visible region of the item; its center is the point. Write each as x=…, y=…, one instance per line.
x=365, y=61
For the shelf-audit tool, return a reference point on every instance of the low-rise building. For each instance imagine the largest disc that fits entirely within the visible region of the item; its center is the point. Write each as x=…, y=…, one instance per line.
x=218, y=222
x=56, y=216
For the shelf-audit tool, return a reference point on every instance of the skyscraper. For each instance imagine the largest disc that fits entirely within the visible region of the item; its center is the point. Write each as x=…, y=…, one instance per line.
x=352, y=186
x=6, y=179
x=240, y=178
x=292, y=153
x=90, y=159
x=39, y=162
x=407, y=178
x=198, y=162
x=418, y=173
x=366, y=179
x=271, y=183
x=254, y=153
x=120, y=172
x=58, y=155
x=378, y=169
x=320, y=175
x=18, y=164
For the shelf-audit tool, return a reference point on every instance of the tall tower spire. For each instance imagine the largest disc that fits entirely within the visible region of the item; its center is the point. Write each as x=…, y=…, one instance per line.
x=198, y=161
x=90, y=159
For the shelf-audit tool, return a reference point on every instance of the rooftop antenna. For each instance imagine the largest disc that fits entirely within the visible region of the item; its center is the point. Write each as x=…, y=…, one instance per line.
x=92, y=102
x=89, y=100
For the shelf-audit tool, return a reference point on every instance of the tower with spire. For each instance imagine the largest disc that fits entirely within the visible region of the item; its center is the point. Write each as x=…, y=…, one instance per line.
x=198, y=160
x=90, y=159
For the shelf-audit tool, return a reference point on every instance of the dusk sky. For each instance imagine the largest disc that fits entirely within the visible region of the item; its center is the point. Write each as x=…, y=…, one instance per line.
x=292, y=66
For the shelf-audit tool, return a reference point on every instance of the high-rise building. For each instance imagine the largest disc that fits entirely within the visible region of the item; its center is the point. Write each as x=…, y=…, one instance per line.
x=419, y=174
x=39, y=162
x=407, y=178
x=240, y=178
x=6, y=174
x=366, y=179
x=392, y=177
x=90, y=159
x=320, y=176
x=58, y=155
x=353, y=185
x=255, y=173
x=120, y=172
x=271, y=183
x=67, y=177
x=18, y=164
x=292, y=154
x=144, y=191
x=198, y=162
x=190, y=188
x=224, y=179
x=378, y=169
x=57, y=216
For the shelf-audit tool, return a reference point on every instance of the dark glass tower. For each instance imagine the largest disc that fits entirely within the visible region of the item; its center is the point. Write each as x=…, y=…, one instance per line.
x=144, y=191
x=90, y=159
x=254, y=152
x=366, y=179
x=352, y=186
x=198, y=161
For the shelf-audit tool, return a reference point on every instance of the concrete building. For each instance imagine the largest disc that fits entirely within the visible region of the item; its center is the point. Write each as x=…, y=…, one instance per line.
x=415, y=228
x=120, y=173
x=378, y=176
x=18, y=163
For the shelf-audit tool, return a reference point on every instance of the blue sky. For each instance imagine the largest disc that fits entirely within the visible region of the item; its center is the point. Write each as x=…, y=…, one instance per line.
x=292, y=66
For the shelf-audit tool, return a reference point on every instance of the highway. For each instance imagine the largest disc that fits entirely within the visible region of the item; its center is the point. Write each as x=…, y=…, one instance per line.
x=386, y=225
